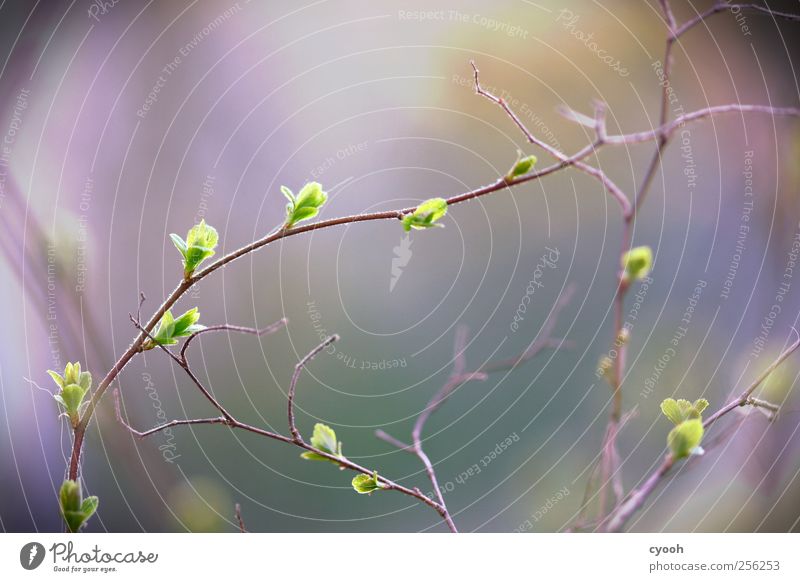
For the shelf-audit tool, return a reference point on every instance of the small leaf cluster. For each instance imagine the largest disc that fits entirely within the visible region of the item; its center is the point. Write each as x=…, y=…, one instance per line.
x=426, y=215
x=74, y=508
x=522, y=166
x=636, y=263
x=73, y=387
x=170, y=329
x=305, y=205
x=199, y=245
x=685, y=438
x=324, y=439
x=367, y=484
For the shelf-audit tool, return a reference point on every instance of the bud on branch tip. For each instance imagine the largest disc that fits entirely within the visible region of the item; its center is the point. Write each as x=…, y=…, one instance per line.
x=73, y=385
x=305, y=205
x=199, y=245
x=425, y=215
x=685, y=438
x=366, y=484
x=522, y=166
x=74, y=508
x=170, y=329
x=636, y=263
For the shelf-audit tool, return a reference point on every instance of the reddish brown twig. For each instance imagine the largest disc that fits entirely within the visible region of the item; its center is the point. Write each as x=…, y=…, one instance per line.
x=459, y=376
x=293, y=384
x=228, y=420
x=237, y=510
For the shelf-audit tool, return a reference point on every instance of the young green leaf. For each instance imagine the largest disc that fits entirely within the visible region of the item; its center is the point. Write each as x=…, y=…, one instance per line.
x=672, y=411
x=522, y=166
x=170, y=329
x=186, y=324
x=180, y=244
x=70, y=496
x=426, y=215
x=305, y=205
x=680, y=410
x=324, y=439
x=366, y=484
x=636, y=263
x=685, y=438
x=73, y=385
x=700, y=405
x=199, y=245
x=74, y=509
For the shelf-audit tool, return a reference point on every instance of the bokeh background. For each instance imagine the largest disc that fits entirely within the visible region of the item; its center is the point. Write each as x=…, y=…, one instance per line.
x=126, y=121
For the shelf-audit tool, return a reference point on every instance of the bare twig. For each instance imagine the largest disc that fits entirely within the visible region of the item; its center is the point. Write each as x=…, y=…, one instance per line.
x=166, y=425
x=565, y=160
x=293, y=384
x=459, y=376
x=296, y=439
x=742, y=400
x=723, y=6
x=270, y=329
x=237, y=510
x=397, y=443
x=543, y=340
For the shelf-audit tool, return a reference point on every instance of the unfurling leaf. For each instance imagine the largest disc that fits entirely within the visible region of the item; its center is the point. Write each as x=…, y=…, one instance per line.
x=522, y=166
x=672, y=411
x=324, y=439
x=74, y=385
x=170, y=329
x=366, y=484
x=685, y=438
x=305, y=205
x=636, y=263
x=700, y=405
x=426, y=215
x=199, y=245
x=680, y=410
x=74, y=509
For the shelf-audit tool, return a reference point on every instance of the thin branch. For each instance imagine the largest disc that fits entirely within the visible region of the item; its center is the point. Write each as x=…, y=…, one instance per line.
x=184, y=364
x=668, y=129
x=745, y=396
x=166, y=425
x=565, y=160
x=270, y=329
x=293, y=384
x=237, y=510
x=397, y=443
x=459, y=376
x=662, y=135
x=295, y=440
x=668, y=15
x=638, y=496
x=543, y=340
x=723, y=6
